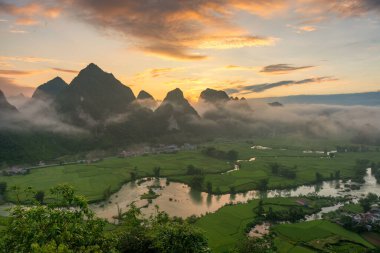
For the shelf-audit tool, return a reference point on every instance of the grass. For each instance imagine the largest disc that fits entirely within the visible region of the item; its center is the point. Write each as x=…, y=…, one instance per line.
x=250, y=173
x=226, y=227
x=3, y=222
x=316, y=235
x=352, y=208
x=91, y=180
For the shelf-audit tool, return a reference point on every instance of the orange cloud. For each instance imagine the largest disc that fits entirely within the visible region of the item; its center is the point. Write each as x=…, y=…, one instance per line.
x=178, y=29
x=155, y=72
x=29, y=14
x=17, y=72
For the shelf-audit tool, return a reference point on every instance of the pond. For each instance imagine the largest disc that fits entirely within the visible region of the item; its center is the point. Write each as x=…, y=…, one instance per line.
x=178, y=199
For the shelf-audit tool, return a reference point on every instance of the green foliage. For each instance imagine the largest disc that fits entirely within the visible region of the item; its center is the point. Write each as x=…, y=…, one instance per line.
x=67, y=225
x=3, y=187
x=366, y=202
x=157, y=171
x=209, y=187
x=231, y=155
x=159, y=234
x=249, y=245
x=40, y=196
x=197, y=182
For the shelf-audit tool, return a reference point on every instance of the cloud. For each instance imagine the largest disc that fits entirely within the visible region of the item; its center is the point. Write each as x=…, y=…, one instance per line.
x=236, y=67
x=28, y=59
x=315, y=11
x=17, y=72
x=278, y=69
x=18, y=31
x=29, y=14
x=10, y=88
x=65, y=70
x=266, y=86
x=177, y=29
x=155, y=72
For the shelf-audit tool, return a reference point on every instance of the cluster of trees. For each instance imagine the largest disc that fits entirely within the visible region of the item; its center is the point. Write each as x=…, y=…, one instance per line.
x=192, y=170
x=292, y=214
x=283, y=171
x=343, y=149
x=67, y=225
x=231, y=155
x=360, y=168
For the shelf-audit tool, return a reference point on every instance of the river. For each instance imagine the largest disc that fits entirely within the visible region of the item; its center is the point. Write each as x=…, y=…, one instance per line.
x=178, y=199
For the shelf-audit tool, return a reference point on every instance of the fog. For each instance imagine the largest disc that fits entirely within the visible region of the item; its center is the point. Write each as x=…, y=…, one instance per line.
x=360, y=124
x=324, y=121
x=36, y=115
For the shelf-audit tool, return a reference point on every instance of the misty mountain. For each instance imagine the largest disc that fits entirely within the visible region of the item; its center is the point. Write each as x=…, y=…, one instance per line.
x=366, y=99
x=49, y=90
x=176, y=110
x=214, y=96
x=18, y=100
x=5, y=106
x=94, y=95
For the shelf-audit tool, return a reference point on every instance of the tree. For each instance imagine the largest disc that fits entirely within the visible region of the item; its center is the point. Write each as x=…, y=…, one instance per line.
x=40, y=196
x=197, y=182
x=156, y=172
x=159, y=234
x=133, y=175
x=232, y=190
x=275, y=167
x=337, y=174
x=260, y=208
x=66, y=225
x=263, y=184
x=232, y=155
x=209, y=187
x=259, y=245
x=3, y=187
x=318, y=177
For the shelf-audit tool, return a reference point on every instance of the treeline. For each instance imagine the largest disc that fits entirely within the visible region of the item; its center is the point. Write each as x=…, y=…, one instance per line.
x=344, y=149
x=231, y=155
x=283, y=171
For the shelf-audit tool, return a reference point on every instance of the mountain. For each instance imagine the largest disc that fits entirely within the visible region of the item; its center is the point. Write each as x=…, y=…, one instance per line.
x=18, y=101
x=214, y=96
x=176, y=110
x=275, y=104
x=365, y=99
x=5, y=106
x=94, y=95
x=50, y=90
x=144, y=95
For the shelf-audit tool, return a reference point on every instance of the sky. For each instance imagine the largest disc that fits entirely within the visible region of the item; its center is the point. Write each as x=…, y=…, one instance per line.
x=249, y=48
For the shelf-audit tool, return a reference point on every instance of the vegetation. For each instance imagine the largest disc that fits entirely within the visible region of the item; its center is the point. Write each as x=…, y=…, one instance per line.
x=229, y=225
x=99, y=180
x=315, y=236
x=56, y=227
x=67, y=225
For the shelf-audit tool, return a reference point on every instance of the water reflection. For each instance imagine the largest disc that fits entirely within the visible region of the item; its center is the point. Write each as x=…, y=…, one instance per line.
x=180, y=200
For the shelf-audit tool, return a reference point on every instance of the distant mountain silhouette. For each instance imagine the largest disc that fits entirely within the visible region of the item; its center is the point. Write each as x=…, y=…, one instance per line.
x=94, y=94
x=49, y=90
x=276, y=104
x=366, y=99
x=5, y=106
x=214, y=96
x=176, y=110
x=144, y=95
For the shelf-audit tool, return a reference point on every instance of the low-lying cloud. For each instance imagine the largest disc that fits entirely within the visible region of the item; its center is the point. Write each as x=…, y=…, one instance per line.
x=256, y=88
x=278, y=69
